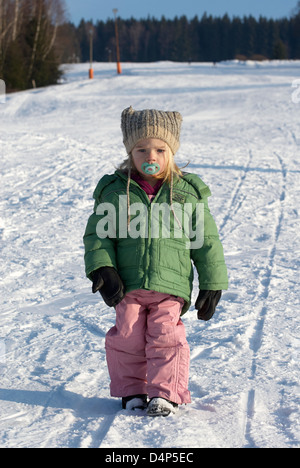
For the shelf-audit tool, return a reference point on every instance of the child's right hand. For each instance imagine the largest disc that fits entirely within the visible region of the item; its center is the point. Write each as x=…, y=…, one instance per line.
x=107, y=281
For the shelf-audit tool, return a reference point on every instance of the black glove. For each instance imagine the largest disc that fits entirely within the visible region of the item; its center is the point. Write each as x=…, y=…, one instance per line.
x=107, y=281
x=206, y=304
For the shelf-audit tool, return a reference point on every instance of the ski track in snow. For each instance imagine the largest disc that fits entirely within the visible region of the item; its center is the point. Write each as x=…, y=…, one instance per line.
x=257, y=336
x=235, y=202
x=241, y=135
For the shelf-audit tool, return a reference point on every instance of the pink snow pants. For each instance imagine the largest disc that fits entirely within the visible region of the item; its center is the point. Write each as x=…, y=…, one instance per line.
x=147, y=351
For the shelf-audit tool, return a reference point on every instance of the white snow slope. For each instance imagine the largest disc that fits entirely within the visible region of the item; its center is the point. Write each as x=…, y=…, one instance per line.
x=241, y=135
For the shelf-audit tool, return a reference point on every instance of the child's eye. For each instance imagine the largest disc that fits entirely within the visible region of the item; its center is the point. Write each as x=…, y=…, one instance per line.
x=160, y=150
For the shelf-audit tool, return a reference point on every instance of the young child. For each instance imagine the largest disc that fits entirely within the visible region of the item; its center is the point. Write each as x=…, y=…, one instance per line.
x=142, y=262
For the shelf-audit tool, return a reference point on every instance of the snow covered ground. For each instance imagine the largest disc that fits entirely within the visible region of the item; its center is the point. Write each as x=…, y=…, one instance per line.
x=241, y=135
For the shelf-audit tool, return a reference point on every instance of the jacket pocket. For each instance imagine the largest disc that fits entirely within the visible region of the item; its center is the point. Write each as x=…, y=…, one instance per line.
x=174, y=262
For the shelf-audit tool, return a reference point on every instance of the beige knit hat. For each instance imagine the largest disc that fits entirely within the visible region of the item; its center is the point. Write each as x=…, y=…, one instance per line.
x=150, y=123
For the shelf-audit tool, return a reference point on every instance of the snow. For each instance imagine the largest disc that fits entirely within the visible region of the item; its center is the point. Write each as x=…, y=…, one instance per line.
x=241, y=136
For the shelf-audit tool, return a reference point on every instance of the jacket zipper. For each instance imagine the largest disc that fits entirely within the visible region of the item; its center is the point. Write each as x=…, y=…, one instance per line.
x=148, y=238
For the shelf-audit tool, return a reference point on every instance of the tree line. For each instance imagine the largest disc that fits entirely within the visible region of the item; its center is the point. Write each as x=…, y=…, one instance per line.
x=36, y=38
x=209, y=39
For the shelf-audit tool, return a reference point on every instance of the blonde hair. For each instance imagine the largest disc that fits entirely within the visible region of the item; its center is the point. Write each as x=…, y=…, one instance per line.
x=167, y=175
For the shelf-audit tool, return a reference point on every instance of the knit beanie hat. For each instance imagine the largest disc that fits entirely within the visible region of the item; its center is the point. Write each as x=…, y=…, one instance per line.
x=150, y=123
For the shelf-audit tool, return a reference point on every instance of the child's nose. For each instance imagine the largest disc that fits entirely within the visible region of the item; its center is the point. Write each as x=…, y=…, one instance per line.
x=151, y=155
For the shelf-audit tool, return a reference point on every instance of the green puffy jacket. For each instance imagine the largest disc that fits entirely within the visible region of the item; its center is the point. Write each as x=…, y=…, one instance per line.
x=157, y=250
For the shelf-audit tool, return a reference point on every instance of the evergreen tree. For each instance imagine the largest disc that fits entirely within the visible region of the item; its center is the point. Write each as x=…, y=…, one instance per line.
x=28, y=38
x=294, y=33
x=261, y=38
x=279, y=51
x=236, y=48
x=14, y=67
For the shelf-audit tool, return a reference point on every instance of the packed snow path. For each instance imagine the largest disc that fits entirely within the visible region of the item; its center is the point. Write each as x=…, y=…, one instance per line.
x=241, y=136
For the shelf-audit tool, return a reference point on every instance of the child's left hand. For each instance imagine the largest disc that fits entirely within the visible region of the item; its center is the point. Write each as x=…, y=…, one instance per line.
x=206, y=304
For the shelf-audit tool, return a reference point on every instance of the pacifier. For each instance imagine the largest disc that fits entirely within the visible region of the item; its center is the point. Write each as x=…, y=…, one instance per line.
x=150, y=169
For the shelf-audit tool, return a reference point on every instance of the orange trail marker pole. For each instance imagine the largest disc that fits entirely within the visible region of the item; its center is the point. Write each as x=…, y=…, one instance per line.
x=91, y=71
x=119, y=68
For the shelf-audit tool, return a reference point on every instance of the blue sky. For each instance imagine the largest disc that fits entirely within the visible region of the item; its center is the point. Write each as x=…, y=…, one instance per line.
x=102, y=9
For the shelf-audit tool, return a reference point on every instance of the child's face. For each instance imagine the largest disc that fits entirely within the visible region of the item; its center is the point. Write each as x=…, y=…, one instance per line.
x=150, y=150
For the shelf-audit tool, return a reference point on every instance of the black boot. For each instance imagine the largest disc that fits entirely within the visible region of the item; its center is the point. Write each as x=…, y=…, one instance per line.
x=134, y=402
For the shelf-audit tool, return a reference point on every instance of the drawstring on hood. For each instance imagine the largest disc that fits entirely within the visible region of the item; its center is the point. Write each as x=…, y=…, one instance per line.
x=128, y=198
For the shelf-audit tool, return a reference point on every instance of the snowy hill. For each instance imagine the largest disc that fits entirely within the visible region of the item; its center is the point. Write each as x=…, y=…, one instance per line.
x=241, y=135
